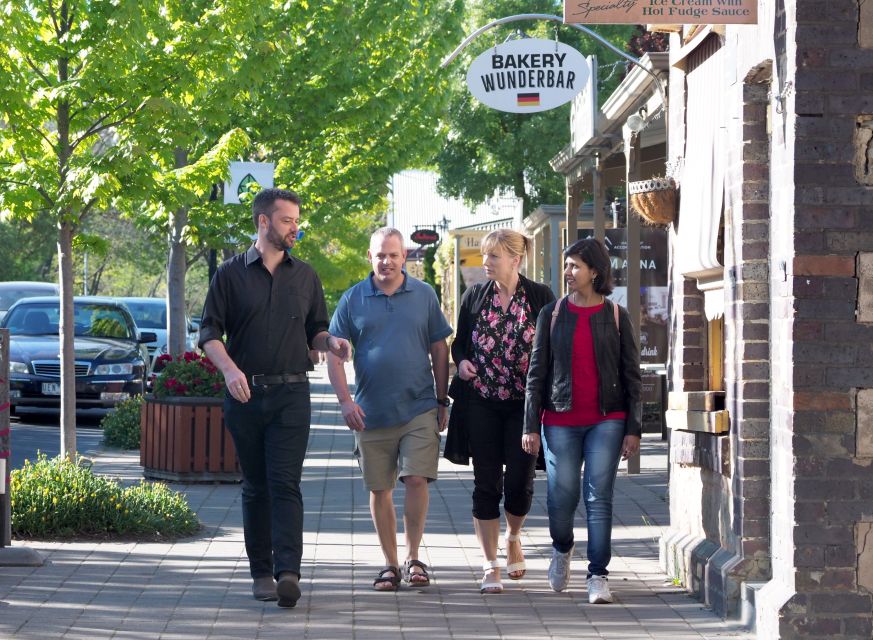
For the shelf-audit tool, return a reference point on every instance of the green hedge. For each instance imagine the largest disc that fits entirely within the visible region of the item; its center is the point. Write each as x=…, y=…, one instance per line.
x=121, y=425
x=58, y=498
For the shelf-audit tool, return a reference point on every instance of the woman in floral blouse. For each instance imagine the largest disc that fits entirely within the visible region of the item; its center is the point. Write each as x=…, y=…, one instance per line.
x=492, y=348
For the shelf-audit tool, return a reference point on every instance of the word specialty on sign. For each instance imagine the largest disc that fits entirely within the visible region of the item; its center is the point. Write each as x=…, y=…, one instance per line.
x=527, y=75
x=661, y=11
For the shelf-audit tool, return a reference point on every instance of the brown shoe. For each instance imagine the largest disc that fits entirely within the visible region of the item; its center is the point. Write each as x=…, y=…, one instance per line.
x=264, y=589
x=288, y=589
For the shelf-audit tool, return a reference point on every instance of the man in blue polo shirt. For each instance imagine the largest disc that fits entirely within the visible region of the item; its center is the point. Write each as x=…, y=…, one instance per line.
x=399, y=333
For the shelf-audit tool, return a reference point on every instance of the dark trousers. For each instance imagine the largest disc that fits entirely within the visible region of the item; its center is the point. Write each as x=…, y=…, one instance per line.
x=494, y=428
x=271, y=432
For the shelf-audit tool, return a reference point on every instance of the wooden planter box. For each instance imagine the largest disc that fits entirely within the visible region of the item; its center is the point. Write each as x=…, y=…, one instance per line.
x=184, y=440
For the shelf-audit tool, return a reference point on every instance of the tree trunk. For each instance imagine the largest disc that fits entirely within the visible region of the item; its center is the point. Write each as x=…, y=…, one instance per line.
x=66, y=229
x=520, y=189
x=177, y=267
x=68, y=353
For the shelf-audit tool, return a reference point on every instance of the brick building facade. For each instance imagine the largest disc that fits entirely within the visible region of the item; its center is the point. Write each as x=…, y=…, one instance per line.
x=773, y=520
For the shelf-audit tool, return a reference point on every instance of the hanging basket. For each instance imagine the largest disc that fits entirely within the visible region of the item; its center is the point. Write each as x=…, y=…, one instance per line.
x=654, y=200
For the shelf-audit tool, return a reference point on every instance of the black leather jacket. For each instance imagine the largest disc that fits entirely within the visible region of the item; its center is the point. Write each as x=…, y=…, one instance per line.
x=550, y=376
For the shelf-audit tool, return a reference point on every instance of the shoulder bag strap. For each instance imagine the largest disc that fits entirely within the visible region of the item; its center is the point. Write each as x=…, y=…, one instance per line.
x=555, y=313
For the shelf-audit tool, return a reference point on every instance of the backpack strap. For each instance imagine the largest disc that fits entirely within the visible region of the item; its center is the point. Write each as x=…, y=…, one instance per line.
x=555, y=313
x=557, y=310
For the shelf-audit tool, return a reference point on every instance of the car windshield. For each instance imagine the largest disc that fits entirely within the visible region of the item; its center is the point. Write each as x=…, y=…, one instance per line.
x=11, y=295
x=93, y=320
x=148, y=315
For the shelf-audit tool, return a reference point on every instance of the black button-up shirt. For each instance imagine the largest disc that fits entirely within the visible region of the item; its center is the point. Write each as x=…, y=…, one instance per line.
x=267, y=321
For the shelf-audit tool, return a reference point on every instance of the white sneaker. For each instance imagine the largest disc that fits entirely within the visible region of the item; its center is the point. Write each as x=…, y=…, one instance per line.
x=598, y=590
x=559, y=569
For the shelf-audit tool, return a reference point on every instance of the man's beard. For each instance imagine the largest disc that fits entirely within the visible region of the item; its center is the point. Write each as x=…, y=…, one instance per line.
x=279, y=242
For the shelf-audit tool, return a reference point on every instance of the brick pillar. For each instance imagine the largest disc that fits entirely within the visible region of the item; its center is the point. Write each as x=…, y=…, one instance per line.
x=691, y=458
x=822, y=366
x=744, y=555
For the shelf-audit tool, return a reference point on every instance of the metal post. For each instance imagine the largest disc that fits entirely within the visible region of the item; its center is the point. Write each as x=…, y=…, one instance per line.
x=632, y=155
x=18, y=556
x=555, y=250
x=456, y=297
x=598, y=201
x=574, y=195
x=5, y=441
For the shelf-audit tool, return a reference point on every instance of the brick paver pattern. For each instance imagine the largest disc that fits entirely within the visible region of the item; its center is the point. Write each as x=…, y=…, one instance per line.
x=200, y=587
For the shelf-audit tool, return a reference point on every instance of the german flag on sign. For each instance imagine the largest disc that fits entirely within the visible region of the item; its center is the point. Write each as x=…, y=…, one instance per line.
x=528, y=100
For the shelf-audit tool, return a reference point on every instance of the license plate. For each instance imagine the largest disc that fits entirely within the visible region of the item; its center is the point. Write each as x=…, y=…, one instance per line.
x=51, y=388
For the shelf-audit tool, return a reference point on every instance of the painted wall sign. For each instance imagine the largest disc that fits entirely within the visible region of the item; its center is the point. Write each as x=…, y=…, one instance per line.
x=528, y=75
x=424, y=236
x=584, y=110
x=661, y=11
x=244, y=174
x=654, y=289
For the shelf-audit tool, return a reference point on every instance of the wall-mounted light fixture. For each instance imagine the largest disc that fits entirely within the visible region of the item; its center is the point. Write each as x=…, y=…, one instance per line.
x=637, y=122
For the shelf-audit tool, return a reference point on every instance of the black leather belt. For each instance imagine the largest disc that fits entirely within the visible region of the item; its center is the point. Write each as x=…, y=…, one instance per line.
x=281, y=378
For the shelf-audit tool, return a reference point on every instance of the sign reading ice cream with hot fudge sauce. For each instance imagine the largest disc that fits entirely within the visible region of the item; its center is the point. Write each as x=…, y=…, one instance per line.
x=528, y=75
x=661, y=11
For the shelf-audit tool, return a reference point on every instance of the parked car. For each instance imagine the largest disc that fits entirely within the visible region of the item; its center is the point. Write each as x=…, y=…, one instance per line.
x=111, y=361
x=12, y=292
x=151, y=314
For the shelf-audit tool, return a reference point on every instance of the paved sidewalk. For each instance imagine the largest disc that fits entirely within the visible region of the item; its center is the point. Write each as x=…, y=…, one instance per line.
x=200, y=587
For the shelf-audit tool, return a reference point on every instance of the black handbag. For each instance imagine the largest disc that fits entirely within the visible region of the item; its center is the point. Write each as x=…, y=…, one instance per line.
x=457, y=449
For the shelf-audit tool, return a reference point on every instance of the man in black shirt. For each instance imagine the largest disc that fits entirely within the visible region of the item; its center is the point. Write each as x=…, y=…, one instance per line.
x=264, y=311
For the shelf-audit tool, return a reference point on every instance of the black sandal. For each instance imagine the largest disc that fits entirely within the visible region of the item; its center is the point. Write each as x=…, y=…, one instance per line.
x=394, y=580
x=408, y=573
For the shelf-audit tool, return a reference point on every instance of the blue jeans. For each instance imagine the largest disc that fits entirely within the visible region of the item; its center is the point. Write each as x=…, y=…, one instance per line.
x=566, y=449
x=271, y=432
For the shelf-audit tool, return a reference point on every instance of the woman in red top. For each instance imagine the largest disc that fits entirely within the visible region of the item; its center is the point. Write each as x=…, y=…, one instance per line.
x=584, y=382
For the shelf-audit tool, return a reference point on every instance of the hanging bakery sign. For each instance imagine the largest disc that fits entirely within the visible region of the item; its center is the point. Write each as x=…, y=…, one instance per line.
x=527, y=75
x=661, y=11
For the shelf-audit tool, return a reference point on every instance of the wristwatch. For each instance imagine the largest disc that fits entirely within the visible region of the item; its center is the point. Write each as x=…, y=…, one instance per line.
x=445, y=402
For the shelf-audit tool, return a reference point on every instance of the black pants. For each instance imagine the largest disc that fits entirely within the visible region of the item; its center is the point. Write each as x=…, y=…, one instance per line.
x=271, y=432
x=495, y=428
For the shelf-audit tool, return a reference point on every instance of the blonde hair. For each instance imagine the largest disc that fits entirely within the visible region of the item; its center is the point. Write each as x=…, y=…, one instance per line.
x=512, y=242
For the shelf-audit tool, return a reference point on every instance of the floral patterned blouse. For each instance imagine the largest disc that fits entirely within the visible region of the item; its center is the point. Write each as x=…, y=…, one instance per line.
x=502, y=342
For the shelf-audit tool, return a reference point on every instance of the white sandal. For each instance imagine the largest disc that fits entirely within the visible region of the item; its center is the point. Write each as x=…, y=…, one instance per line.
x=489, y=584
x=515, y=566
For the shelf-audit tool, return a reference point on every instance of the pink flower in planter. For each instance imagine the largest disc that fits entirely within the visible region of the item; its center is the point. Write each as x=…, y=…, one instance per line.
x=190, y=375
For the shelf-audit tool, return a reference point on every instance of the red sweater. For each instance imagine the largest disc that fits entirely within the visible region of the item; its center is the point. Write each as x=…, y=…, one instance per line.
x=585, y=408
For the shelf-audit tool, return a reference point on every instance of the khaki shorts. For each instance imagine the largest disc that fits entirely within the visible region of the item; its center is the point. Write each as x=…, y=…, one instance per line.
x=413, y=447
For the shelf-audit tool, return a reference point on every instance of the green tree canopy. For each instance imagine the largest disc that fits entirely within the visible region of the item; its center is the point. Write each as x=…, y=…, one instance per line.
x=356, y=95
x=138, y=105
x=74, y=76
x=340, y=96
x=488, y=150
